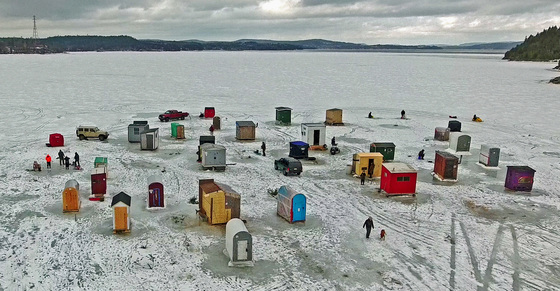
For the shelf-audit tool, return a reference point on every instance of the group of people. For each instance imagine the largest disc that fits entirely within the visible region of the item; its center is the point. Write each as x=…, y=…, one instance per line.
x=63, y=160
x=403, y=114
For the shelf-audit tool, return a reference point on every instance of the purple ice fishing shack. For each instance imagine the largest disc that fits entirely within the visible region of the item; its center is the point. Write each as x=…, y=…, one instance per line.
x=519, y=178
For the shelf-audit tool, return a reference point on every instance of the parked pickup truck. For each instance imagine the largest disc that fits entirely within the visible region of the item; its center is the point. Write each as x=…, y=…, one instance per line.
x=172, y=114
x=289, y=166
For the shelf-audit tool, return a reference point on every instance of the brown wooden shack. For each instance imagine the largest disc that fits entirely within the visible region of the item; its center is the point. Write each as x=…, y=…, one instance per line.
x=217, y=203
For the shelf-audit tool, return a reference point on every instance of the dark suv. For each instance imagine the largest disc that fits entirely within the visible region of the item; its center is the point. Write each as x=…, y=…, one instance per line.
x=289, y=166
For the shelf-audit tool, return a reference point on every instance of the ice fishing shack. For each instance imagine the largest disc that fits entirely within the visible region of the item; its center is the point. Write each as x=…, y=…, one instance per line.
x=135, y=129
x=156, y=196
x=245, y=130
x=217, y=203
x=459, y=143
x=387, y=149
x=216, y=122
x=398, y=179
x=489, y=156
x=441, y=133
x=299, y=150
x=56, y=140
x=213, y=156
x=177, y=130
x=202, y=140
x=314, y=134
x=454, y=125
x=291, y=204
x=370, y=163
x=239, y=244
x=98, y=183
x=445, y=166
x=71, y=196
x=334, y=117
x=121, y=212
x=519, y=178
x=209, y=112
x=283, y=115
x=149, y=139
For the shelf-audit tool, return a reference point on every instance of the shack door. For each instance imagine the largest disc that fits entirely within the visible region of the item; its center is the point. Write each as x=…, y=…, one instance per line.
x=449, y=167
x=121, y=218
x=298, y=208
x=371, y=167
x=156, y=198
x=70, y=201
x=241, y=250
x=149, y=141
x=316, y=135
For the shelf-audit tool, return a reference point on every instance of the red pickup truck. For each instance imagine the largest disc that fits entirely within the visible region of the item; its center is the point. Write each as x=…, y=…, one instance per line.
x=172, y=114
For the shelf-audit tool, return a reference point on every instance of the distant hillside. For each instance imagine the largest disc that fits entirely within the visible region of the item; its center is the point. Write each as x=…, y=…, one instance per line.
x=544, y=46
x=79, y=43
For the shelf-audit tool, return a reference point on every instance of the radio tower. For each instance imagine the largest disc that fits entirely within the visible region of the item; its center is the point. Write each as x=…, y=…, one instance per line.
x=35, y=34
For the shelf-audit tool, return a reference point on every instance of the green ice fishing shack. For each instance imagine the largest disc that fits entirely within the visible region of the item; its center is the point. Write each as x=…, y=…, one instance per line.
x=387, y=149
x=283, y=115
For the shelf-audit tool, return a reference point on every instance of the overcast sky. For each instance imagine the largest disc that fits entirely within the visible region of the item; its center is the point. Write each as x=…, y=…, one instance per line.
x=368, y=21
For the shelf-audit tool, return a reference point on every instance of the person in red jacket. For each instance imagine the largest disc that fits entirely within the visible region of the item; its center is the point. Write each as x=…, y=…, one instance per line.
x=48, y=159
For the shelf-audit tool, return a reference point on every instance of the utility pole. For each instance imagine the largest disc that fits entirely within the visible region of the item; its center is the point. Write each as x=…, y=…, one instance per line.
x=35, y=34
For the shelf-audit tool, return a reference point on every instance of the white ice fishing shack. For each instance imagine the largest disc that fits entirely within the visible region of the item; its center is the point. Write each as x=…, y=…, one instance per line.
x=314, y=134
x=239, y=244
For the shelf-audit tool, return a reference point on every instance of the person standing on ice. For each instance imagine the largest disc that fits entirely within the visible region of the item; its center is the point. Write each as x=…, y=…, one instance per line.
x=212, y=129
x=48, y=159
x=403, y=114
x=263, y=147
x=333, y=141
x=363, y=178
x=67, y=162
x=77, y=159
x=368, y=224
x=61, y=157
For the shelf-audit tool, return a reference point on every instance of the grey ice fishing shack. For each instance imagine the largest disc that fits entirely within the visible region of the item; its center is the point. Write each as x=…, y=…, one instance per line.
x=213, y=156
x=135, y=129
x=149, y=139
x=489, y=156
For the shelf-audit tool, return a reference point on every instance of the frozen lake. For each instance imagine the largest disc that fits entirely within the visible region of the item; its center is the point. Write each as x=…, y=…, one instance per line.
x=472, y=234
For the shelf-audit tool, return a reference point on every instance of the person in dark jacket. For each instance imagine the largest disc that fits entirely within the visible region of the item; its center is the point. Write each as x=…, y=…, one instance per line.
x=77, y=159
x=212, y=129
x=363, y=177
x=67, y=162
x=421, y=155
x=333, y=141
x=61, y=157
x=263, y=147
x=403, y=116
x=368, y=224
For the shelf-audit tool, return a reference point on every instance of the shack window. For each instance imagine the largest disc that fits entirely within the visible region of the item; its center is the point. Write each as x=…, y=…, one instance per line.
x=525, y=180
x=403, y=179
x=136, y=130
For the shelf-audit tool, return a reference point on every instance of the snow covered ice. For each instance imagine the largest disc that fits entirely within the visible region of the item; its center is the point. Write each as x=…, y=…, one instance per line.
x=471, y=234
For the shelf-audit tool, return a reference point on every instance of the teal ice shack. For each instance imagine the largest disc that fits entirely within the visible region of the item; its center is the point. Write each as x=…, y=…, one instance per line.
x=387, y=149
x=177, y=130
x=284, y=115
x=100, y=162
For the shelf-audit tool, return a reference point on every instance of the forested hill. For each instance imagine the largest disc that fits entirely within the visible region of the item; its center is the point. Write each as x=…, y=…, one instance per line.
x=79, y=43
x=544, y=46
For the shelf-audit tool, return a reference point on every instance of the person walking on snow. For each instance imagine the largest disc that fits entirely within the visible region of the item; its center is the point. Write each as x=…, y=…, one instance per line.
x=212, y=129
x=48, y=159
x=77, y=159
x=263, y=147
x=363, y=178
x=61, y=157
x=403, y=114
x=368, y=224
x=333, y=141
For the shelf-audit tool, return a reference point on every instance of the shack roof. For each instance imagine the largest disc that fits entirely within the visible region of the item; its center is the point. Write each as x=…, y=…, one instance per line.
x=281, y=108
x=121, y=197
x=245, y=123
x=399, y=168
